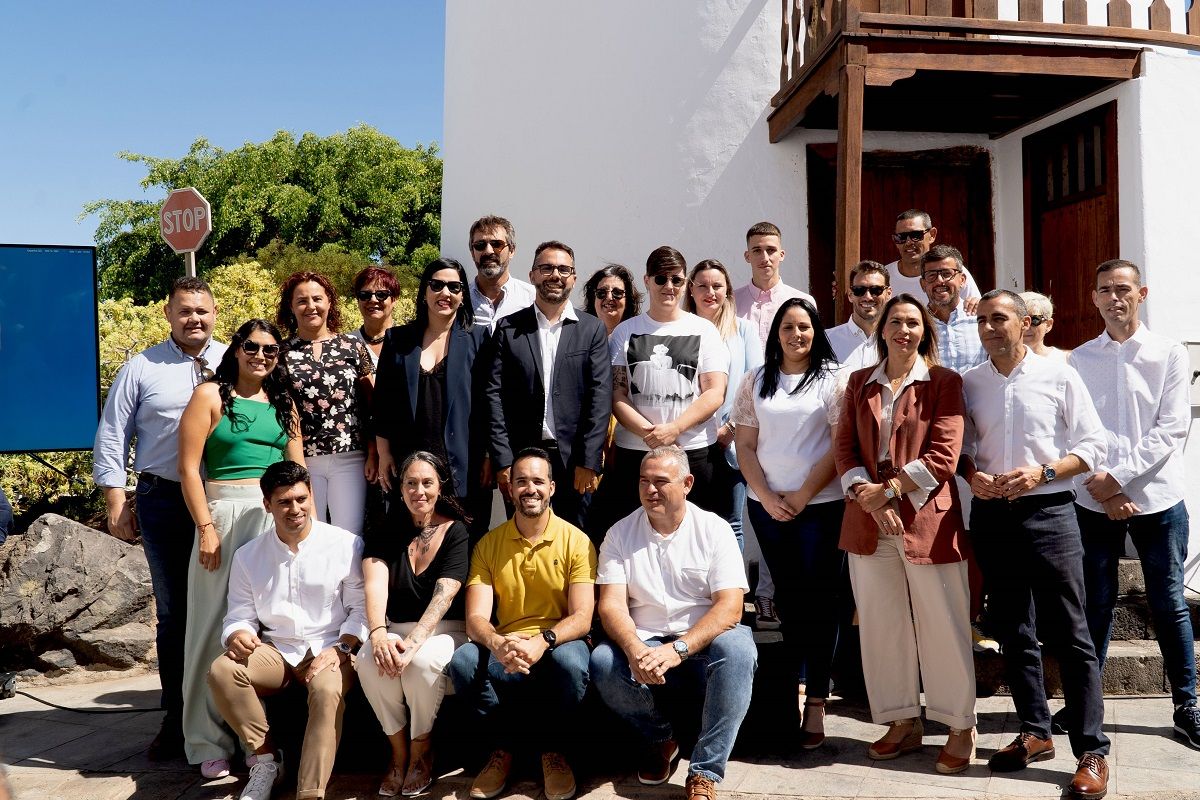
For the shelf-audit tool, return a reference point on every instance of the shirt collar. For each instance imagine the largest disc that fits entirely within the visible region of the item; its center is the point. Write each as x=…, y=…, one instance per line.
x=1138, y=336
x=568, y=313
x=763, y=295
x=919, y=372
x=547, y=535
x=177, y=350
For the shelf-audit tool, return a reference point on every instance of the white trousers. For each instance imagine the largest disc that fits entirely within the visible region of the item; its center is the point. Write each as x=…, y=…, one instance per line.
x=914, y=626
x=418, y=691
x=339, y=487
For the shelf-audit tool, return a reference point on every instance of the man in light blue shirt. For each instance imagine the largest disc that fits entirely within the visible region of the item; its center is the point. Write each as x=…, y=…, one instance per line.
x=943, y=277
x=495, y=293
x=144, y=404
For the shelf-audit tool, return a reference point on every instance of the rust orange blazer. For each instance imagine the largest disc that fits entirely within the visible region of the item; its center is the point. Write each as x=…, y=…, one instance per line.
x=927, y=425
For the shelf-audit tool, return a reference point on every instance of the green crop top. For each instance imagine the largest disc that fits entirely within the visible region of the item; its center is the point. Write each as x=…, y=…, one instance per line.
x=246, y=447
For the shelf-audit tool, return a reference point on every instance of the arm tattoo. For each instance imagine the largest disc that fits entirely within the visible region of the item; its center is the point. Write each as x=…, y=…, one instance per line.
x=620, y=378
x=444, y=591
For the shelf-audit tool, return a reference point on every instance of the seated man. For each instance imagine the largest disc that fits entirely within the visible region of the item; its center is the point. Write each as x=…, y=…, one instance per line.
x=296, y=613
x=671, y=592
x=525, y=675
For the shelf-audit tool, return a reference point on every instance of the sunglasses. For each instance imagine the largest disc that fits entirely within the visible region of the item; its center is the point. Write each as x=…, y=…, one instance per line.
x=203, y=371
x=939, y=274
x=676, y=280
x=549, y=269
x=1037, y=319
x=615, y=294
x=379, y=294
x=268, y=350
x=483, y=244
x=436, y=284
x=909, y=236
x=876, y=291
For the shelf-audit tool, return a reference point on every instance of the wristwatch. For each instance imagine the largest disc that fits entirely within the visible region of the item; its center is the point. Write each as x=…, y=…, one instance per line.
x=343, y=648
x=551, y=639
x=1048, y=473
x=681, y=649
x=889, y=492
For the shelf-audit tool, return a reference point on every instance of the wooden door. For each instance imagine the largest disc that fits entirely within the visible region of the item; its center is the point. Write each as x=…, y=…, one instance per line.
x=954, y=185
x=1071, y=217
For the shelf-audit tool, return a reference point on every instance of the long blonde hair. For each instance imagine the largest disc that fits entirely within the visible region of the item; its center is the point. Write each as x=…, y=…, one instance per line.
x=726, y=316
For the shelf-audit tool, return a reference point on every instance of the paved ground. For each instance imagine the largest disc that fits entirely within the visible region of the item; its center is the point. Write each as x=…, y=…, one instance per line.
x=58, y=754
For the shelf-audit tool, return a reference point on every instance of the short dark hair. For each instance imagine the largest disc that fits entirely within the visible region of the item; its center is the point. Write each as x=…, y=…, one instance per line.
x=283, y=473
x=381, y=275
x=553, y=244
x=189, y=284
x=489, y=221
x=1017, y=301
x=532, y=452
x=763, y=229
x=915, y=213
x=868, y=268
x=665, y=260
x=1119, y=263
x=940, y=252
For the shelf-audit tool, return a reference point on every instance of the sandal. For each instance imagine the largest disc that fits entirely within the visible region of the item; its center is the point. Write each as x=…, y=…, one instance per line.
x=420, y=768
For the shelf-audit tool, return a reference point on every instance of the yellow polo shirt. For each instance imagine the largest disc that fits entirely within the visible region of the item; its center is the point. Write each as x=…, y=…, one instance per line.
x=530, y=581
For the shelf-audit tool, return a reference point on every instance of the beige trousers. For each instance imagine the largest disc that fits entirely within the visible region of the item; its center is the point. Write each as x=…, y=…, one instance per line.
x=914, y=627
x=418, y=691
x=238, y=685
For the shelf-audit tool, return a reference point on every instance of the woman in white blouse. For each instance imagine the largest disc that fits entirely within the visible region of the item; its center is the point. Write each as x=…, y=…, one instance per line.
x=784, y=416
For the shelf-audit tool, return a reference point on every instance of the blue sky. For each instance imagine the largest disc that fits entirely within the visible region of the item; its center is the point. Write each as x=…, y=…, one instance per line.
x=80, y=82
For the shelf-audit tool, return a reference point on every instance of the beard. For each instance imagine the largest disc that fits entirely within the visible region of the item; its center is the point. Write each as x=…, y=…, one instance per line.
x=491, y=268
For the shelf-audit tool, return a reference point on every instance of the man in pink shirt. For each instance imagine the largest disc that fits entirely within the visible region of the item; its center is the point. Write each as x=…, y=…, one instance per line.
x=758, y=300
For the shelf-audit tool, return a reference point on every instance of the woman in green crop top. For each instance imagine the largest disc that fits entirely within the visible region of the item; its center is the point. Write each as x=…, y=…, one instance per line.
x=237, y=424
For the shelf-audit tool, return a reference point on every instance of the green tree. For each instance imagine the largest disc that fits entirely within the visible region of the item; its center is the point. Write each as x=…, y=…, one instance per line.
x=359, y=192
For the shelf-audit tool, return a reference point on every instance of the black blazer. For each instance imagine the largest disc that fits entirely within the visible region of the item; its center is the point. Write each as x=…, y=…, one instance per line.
x=516, y=391
x=394, y=405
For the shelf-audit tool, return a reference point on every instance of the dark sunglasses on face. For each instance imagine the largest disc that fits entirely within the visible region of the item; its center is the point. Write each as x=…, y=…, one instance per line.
x=676, y=280
x=604, y=294
x=876, y=291
x=454, y=287
x=268, y=350
x=379, y=294
x=482, y=244
x=909, y=236
x=1037, y=319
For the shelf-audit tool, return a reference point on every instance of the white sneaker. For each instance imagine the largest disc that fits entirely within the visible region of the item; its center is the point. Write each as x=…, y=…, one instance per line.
x=981, y=642
x=266, y=772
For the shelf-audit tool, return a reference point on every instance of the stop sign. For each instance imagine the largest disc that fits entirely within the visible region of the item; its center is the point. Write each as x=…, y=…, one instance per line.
x=185, y=220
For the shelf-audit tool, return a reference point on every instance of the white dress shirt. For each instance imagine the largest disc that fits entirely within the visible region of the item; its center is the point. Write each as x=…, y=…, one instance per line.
x=1141, y=391
x=515, y=294
x=1039, y=414
x=299, y=601
x=853, y=347
x=549, y=334
x=758, y=306
x=670, y=580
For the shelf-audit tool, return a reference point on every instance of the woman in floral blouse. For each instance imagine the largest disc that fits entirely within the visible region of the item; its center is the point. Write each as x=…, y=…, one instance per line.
x=332, y=377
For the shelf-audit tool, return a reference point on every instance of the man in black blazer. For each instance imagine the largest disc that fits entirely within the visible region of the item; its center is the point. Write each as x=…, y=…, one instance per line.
x=551, y=385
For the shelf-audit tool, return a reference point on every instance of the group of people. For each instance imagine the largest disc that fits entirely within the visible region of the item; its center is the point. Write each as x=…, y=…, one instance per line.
x=932, y=454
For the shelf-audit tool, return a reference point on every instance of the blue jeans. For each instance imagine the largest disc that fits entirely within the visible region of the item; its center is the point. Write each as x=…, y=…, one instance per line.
x=1032, y=559
x=167, y=532
x=805, y=554
x=1161, y=540
x=722, y=673
x=540, y=707
x=739, y=504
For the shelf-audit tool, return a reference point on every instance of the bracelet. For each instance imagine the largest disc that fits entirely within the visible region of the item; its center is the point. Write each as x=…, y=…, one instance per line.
x=200, y=528
x=895, y=484
x=376, y=628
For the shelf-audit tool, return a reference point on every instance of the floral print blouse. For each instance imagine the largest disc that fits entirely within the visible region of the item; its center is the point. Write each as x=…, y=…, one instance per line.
x=328, y=394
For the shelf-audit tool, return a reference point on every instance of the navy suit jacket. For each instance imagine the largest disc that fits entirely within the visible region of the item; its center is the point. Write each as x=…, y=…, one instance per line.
x=581, y=385
x=394, y=407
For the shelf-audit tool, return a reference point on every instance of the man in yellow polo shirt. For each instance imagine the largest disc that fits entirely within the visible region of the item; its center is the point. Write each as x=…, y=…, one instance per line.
x=525, y=674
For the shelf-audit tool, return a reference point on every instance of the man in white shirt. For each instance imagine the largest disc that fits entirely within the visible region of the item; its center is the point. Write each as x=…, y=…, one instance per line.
x=1139, y=381
x=1031, y=426
x=495, y=293
x=943, y=281
x=671, y=592
x=914, y=236
x=758, y=300
x=296, y=613
x=853, y=341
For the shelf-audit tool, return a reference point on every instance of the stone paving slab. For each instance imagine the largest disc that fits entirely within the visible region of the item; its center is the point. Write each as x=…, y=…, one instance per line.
x=62, y=755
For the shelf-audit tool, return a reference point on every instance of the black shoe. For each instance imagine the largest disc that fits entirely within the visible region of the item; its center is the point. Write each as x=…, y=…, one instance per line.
x=1187, y=724
x=168, y=744
x=1058, y=723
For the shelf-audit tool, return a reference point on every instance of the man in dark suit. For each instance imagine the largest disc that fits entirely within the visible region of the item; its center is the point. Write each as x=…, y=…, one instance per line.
x=551, y=384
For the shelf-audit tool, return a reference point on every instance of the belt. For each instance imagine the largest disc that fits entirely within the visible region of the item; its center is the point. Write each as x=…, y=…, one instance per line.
x=155, y=480
x=1033, y=500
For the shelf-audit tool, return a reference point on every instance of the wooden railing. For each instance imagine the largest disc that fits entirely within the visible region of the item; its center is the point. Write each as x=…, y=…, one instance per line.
x=809, y=27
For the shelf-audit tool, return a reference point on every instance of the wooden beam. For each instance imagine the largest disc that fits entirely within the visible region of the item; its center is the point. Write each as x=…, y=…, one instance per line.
x=878, y=76
x=822, y=79
x=1054, y=30
x=1014, y=64
x=849, y=180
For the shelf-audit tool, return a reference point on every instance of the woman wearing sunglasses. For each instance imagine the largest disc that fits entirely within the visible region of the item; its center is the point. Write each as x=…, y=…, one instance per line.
x=611, y=296
x=426, y=386
x=376, y=290
x=237, y=424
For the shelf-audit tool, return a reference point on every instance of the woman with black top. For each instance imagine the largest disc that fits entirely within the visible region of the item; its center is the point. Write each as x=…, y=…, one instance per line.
x=413, y=572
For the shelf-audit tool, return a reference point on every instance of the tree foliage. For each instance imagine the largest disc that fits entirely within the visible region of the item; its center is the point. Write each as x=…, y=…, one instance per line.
x=360, y=193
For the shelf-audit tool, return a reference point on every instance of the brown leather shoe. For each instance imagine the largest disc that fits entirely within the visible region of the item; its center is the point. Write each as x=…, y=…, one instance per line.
x=1091, y=777
x=812, y=729
x=658, y=762
x=492, y=779
x=558, y=778
x=959, y=740
x=904, y=736
x=699, y=787
x=1021, y=752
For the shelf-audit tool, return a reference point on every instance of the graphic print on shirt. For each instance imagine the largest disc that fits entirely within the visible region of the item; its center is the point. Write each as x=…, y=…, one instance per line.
x=663, y=372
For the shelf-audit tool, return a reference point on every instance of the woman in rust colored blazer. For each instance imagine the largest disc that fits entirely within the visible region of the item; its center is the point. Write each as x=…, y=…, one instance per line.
x=896, y=447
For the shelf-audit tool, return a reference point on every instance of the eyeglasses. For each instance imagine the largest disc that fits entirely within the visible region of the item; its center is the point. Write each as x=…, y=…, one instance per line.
x=1037, y=319
x=203, y=371
x=876, y=291
x=909, y=236
x=676, y=280
x=549, y=269
x=379, y=294
x=268, y=350
x=483, y=244
x=455, y=287
x=605, y=293
x=939, y=274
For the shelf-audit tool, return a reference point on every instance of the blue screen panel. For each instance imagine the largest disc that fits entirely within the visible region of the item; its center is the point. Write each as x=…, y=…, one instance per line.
x=49, y=353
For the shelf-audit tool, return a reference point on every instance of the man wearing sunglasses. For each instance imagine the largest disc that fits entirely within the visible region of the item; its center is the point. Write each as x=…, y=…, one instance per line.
x=144, y=404
x=853, y=341
x=943, y=279
x=758, y=300
x=914, y=236
x=495, y=293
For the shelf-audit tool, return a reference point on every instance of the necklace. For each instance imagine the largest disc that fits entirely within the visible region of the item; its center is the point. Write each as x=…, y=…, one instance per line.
x=372, y=339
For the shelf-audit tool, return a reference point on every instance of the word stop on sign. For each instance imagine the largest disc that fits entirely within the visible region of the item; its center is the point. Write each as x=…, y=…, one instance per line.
x=186, y=219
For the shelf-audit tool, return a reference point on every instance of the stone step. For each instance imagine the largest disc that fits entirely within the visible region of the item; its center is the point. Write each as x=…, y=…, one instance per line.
x=1132, y=668
x=1132, y=619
